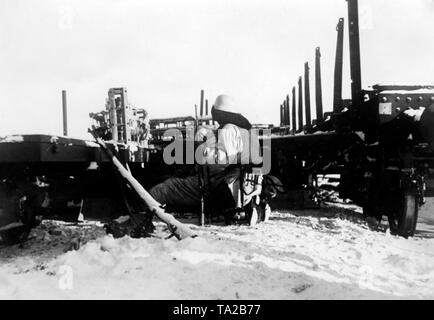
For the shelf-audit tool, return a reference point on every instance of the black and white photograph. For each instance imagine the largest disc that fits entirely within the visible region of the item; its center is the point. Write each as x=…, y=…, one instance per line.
x=227, y=152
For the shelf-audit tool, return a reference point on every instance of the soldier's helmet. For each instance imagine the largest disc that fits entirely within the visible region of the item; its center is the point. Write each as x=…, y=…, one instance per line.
x=225, y=103
x=225, y=110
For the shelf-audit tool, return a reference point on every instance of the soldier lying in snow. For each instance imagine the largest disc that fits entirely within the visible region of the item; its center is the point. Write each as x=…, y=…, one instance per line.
x=225, y=164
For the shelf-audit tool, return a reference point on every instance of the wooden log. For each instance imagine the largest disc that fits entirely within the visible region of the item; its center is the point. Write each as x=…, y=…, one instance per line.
x=180, y=230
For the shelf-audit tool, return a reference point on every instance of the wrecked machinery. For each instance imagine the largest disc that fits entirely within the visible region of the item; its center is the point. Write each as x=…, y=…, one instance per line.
x=380, y=142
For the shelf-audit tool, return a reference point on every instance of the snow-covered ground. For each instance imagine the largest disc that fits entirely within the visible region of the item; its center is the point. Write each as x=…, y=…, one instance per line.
x=312, y=254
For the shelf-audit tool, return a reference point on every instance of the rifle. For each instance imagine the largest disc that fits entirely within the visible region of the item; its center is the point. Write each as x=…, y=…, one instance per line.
x=179, y=230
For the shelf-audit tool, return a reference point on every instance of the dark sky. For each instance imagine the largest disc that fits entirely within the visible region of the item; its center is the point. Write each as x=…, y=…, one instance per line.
x=164, y=52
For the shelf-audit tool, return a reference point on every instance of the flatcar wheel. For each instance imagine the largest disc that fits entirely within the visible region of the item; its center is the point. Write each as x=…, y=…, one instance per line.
x=403, y=221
